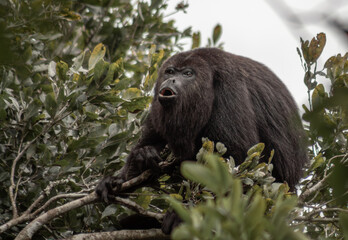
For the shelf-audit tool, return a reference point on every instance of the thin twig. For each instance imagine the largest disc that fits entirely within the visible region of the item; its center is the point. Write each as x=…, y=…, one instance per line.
x=55, y=198
x=13, y=168
x=132, y=205
x=313, y=189
x=318, y=220
x=312, y=213
x=22, y=152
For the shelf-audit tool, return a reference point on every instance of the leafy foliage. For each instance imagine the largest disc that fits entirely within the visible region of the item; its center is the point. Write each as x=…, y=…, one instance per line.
x=68, y=114
x=327, y=128
x=225, y=209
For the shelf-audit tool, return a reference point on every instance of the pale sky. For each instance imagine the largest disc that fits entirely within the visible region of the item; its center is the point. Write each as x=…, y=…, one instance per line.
x=253, y=29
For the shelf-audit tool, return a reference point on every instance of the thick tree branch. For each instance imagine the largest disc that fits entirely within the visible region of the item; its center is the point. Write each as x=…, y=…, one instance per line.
x=36, y=224
x=123, y=235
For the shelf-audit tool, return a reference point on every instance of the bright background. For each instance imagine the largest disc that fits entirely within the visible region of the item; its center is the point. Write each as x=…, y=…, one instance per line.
x=258, y=29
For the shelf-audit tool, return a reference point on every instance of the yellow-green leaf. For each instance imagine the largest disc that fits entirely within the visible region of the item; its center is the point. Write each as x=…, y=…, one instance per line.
x=196, y=40
x=217, y=33
x=97, y=54
x=318, y=161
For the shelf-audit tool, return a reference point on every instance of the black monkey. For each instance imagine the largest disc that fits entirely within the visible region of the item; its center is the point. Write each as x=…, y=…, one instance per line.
x=208, y=92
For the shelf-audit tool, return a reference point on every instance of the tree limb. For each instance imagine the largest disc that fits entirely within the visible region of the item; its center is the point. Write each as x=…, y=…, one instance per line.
x=37, y=223
x=123, y=235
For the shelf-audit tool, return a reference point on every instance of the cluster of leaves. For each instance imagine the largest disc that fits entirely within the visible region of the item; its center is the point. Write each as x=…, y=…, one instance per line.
x=69, y=115
x=212, y=42
x=327, y=128
x=229, y=202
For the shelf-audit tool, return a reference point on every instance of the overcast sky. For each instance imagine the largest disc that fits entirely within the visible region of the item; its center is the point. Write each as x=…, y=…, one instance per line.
x=255, y=29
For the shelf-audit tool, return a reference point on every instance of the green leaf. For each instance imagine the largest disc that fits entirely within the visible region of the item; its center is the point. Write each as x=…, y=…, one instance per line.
x=220, y=170
x=318, y=161
x=150, y=81
x=179, y=209
x=109, y=211
x=115, y=69
x=122, y=84
x=196, y=40
x=61, y=70
x=144, y=199
x=205, y=176
x=51, y=104
x=344, y=224
x=258, y=148
x=318, y=97
x=76, y=144
x=217, y=33
x=97, y=54
x=33, y=109
x=254, y=217
x=100, y=69
x=236, y=198
x=197, y=173
x=137, y=104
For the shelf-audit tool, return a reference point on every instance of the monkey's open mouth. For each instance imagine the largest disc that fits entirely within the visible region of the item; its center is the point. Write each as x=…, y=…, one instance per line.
x=167, y=92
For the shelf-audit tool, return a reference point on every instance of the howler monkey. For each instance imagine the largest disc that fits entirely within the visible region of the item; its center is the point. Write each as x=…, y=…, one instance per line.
x=208, y=92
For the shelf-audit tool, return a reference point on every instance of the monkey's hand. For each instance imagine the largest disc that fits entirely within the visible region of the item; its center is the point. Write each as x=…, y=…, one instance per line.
x=139, y=160
x=105, y=188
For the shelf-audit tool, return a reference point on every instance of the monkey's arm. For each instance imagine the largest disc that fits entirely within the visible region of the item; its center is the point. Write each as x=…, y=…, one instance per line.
x=145, y=155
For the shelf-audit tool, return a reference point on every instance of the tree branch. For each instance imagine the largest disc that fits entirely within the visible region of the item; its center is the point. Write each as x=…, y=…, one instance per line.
x=313, y=189
x=20, y=154
x=132, y=205
x=317, y=220
x=36, y=224
x=123, y=235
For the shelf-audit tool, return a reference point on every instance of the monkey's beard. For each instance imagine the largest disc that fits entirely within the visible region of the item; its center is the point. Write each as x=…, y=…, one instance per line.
x=181, y=122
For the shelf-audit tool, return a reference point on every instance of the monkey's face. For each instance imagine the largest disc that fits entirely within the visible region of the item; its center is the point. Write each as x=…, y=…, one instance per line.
x=175, y=80
x=184, y=80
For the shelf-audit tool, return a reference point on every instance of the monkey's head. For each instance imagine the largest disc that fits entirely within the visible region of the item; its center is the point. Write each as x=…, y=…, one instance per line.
x=185, y=78
x=184, y=97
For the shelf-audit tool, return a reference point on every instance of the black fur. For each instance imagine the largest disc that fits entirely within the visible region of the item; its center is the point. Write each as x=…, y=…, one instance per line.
x=229, y=99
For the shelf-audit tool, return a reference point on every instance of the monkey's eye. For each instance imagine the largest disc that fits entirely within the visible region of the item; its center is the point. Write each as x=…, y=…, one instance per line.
x=188, y=73
x=170, y=71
